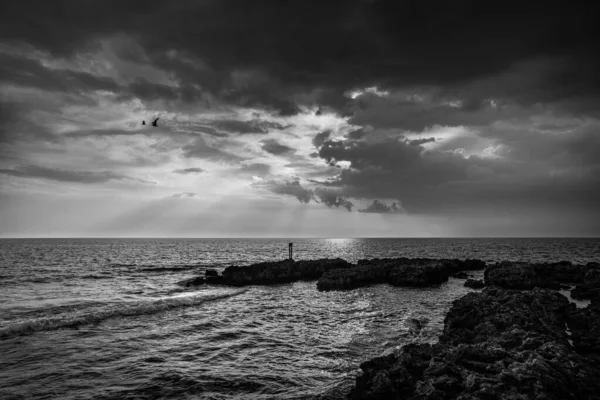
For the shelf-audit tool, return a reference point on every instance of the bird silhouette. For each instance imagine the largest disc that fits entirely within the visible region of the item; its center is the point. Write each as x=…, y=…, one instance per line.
x=154, y=123
x=143, y=122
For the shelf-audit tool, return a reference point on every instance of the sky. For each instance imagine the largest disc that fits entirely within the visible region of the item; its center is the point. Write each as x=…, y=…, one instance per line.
x=353, y=118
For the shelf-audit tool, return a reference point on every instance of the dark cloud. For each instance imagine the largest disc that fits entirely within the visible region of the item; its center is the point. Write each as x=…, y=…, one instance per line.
x=274, y=147
x=186, y=171
x=418, y=142
x=320, y=138
x=289, y=188
x=27, y=72
x=350, y=44
x=357, y=134
x=333, y=198
x=63, y=175
x=378, y=207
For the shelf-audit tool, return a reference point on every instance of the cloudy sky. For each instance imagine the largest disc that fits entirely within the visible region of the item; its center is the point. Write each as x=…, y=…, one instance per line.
x=350, y=118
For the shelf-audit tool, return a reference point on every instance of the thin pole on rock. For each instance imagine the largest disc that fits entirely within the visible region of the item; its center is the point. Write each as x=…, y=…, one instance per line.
x=290, y=248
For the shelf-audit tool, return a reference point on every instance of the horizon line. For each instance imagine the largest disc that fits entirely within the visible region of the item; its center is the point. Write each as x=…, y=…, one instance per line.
x=294, y=237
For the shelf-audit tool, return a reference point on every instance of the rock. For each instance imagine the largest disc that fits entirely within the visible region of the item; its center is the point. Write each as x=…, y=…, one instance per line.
x=211, y=272
x=215, y=280
x=584, y=324
x=592, y=277
x=590, y=287
x=192, y=282
x=401, y=274
x=285, y=271
x=474, y=283
x=497, y=344
x=518, y=275
x=585, y=291
x=460, y=275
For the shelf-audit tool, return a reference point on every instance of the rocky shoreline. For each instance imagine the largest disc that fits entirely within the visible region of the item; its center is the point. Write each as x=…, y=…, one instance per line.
x=338, y=274
x=518, y=338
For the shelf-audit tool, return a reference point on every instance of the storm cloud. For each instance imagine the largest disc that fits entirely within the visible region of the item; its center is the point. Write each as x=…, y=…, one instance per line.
x=378, y=107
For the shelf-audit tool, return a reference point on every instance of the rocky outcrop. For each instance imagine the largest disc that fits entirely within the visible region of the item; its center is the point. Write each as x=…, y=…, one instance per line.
x=286, y=271
x=398, y=271
x=497, y=344
x=453, y=265
x=428, y=274
x=591, y=285
x=520, y=275
x=460, y=275
x=584, y=324
x=474, y=283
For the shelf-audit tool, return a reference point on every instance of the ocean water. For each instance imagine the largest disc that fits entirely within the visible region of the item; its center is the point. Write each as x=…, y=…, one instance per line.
x=106, y=319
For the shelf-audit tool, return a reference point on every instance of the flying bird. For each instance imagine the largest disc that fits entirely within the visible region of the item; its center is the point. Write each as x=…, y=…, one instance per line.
x=155, y=121
x=143, y=122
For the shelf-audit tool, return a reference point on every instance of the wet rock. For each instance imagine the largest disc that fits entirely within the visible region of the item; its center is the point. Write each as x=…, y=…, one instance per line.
x=519, y=275
x=269, y=273
x=584, y=324
x=211, y=272
x=474, y=283
x=215, y=280
x=591, y=286
x=431, y=273
x=497, y=344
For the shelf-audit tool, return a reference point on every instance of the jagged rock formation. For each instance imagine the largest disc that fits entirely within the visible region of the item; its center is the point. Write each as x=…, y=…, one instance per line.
x=395, y=271
x=396, y=275
x=399, y=271
x=497, y=344
x=519, y=275
x=474, y=283
x=590, y=287
x=269, y=273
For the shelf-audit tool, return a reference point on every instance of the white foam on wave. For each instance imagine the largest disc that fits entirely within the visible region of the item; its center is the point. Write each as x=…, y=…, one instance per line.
x=99, y=315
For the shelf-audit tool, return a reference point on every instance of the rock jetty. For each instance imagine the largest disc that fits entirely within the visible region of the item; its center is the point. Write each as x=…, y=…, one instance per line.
x=396, y=275
x=396, y=272
x=338, y=274
x=269, y=273
x=520, y=275
x=497, y=344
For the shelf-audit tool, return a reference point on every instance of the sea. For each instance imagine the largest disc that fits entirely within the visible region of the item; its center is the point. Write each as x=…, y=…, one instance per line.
x=107, y=319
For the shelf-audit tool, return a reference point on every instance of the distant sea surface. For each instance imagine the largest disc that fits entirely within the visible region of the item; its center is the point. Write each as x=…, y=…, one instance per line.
x=106, y=319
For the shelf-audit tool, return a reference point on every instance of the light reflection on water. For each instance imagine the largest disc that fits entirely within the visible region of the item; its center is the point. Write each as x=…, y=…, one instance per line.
x=139, y=335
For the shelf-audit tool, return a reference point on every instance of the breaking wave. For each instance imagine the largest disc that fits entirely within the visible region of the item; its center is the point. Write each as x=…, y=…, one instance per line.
x=124, y=310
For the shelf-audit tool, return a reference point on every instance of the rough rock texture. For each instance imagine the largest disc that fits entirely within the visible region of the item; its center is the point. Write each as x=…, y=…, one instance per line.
x=590, y=287
x=285, y=271
x=520, y=275
x=396, y=271
x=474, y=283
x=497, y=344
x=211, y=272
x=280, y=272
x=453, y=265
x=460, y=275
x=397, y=275
x=584, y=324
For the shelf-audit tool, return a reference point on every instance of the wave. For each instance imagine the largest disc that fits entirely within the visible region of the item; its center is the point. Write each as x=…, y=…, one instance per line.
x=97, y=277
x=125, y=310
x=179, y=267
